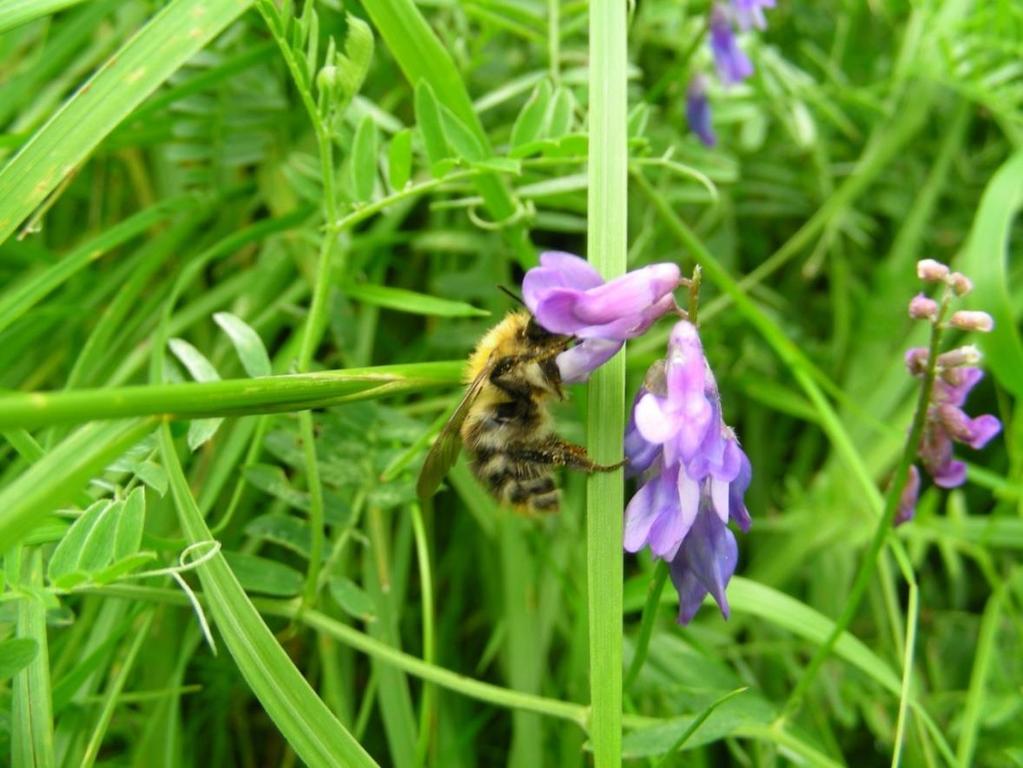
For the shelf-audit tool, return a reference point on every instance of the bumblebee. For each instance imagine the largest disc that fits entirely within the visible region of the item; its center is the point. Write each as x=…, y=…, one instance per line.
x=503, y=421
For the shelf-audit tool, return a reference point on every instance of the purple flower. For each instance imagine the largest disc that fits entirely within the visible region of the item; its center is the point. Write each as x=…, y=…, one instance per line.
x=750, y=13
x=696, y=474
x=568, y=296
x=733, y=65
x=698, y=110
x=908, y=499
x=945, y=421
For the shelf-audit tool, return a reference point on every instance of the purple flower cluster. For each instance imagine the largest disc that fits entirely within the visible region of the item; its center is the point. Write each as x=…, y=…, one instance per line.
x=731, y=62
x=956, y=374
x=695, y=475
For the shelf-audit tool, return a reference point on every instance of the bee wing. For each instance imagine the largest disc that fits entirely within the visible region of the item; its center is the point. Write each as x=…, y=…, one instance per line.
x=444, y=452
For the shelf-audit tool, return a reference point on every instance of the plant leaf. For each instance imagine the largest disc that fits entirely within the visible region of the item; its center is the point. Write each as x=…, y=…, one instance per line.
x=409, y=301
x=428, y=120
x=258, y=574
x=529, y=124
x=462, y=140
x=247, y=344
x=130, y=524
x=200, y=430
x=364, y=159
x=399, y=159
x=352, y=598
x=16, y=654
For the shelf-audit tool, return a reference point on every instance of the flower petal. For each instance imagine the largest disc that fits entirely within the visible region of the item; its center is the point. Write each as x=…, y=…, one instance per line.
x=732, y=64
x=719, y=498
x=556, y=311
x=577, y=363
x=657, y=498
x=689, y=495
x=630, y=326
x=982, y=429
x=737, y=511
x=639, y=451
x=908, y=499
x=576, y=271
x=690, y=591
x=950, y=475
x=709, y=554
x=630, y=294
x=669, y=530
x=653, y=419
x=954, y=385
x=698, y=115
x=557, y=270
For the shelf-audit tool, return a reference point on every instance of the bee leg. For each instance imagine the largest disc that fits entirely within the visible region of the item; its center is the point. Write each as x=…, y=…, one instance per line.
x=559, y=453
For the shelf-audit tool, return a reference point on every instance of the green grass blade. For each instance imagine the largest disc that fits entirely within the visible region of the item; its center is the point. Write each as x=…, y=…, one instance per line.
x=304, y=720
x=986, y=260
x=986, y=653
x=421, y=56
x=230, y=397
x=31, y=708
x=606, y=238
x=20, y=298
x=171, y=37
x=114, y=691
x=14, y=13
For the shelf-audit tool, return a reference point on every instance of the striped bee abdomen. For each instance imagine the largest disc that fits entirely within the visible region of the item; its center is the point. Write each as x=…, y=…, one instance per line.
x=514, y=481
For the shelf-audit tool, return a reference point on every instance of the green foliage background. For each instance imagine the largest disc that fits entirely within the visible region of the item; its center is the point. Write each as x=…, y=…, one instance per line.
x=216, y=217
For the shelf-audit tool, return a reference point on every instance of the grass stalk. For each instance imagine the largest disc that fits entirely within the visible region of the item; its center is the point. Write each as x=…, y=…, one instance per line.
x=607, y=235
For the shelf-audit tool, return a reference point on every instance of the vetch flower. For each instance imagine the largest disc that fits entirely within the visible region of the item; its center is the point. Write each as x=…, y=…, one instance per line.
x=733, y=65
x=966, y=320
x=695, y=475
x=946, y=422
x=960, y=283
x=698, y=110
x=568, y=296
x=931, y=271
x=923, y=308
x=908, y=499
x=750, y=13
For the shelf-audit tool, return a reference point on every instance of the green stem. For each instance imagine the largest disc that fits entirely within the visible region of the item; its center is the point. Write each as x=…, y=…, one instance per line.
x=228, y=397
x=427, y=715
x=554, y=39
x=646, y=626
x=316, y=507
x=607, y=236
x=881, y=531
x=913, y=611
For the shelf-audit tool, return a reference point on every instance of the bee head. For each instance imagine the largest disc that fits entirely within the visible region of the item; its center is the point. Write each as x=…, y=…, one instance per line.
x=540, y=336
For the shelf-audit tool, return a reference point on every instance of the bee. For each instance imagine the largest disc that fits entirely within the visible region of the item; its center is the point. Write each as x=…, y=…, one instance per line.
x=503, y=421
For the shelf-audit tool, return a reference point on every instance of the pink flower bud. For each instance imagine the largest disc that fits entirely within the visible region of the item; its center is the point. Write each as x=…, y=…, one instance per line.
x=960, y=283
x=916, y=360
x=923, y=308
x=931, y=271
x=966, y=355
x=972, y=321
